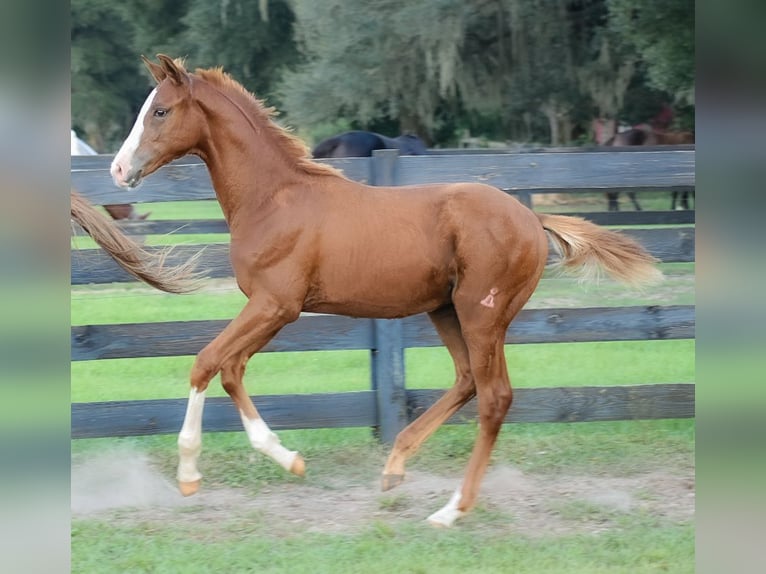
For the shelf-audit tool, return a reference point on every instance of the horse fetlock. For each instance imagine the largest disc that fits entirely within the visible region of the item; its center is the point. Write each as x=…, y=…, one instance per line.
x=447, y=515
x=190, y=444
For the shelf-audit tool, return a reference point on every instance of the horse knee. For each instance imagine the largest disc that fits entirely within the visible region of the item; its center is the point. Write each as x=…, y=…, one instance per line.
x=202, y=372
x=231, y=375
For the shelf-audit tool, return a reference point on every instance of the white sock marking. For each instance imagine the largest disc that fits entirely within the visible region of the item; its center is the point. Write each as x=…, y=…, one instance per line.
x=190, y=438
x=124, y=157
x=449, y=513
x=265, y=441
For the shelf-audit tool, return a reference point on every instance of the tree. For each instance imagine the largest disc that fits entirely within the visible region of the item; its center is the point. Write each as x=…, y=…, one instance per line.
x=252, y=41
x=103, y=72
x=393, y=58
x=662, y=34
x=371, y=60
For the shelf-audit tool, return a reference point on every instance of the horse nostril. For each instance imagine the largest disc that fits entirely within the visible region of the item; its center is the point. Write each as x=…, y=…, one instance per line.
x=117, y=171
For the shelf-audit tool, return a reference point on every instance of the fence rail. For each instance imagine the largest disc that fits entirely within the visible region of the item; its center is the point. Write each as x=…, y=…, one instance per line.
x=389, y=405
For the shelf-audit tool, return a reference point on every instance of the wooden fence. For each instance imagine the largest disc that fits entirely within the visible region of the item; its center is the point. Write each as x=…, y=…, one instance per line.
x=389, y=405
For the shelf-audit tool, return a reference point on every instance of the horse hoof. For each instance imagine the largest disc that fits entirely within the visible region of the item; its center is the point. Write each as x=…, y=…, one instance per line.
x=189, y=488
x=391, y=481
x=298, y=467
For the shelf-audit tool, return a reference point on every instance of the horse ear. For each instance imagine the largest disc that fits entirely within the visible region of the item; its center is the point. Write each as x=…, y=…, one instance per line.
x=154, y=69
x=173, y=71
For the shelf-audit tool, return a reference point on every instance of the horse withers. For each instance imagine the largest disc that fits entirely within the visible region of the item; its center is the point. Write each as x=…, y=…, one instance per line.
x=305, y=238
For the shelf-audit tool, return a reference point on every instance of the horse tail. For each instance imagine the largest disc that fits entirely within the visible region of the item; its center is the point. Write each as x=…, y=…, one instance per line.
x=586, y=249
x=145, y=266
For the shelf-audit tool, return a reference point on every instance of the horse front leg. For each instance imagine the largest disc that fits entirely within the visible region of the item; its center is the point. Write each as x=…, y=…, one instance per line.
x=258, y=432
x=258, y=322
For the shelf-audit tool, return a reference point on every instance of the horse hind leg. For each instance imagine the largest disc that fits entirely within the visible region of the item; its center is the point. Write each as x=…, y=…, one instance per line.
x=410, y=438
x=484, y=321
x=494, y=399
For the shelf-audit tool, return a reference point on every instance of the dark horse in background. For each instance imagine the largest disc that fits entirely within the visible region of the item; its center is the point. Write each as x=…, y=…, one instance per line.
x=361, y=144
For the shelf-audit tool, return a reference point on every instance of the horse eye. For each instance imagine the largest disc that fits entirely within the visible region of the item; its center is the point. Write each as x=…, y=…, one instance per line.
x=160, y=113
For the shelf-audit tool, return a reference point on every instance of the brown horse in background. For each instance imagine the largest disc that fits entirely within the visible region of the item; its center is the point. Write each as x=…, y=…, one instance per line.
x=641, y=135
x=646, y=135
x=305, y=238
x=144, y=266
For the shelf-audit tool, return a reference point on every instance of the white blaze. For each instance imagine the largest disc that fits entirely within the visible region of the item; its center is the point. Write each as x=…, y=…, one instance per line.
x=124, y=157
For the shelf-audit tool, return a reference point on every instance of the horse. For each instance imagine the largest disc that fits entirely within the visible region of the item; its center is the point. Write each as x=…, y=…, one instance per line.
x=117, y=210
x=362, y=144
x=646, y=135
x=305, y=238
x=143, y=265
x=605, y=132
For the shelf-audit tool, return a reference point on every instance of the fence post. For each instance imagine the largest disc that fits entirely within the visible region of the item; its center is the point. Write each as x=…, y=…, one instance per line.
x=387, y=370
x=524, y=197
x=387, y=358
x=383, y=167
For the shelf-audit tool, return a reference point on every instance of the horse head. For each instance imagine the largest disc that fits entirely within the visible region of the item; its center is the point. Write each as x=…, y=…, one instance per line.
x=168, y=126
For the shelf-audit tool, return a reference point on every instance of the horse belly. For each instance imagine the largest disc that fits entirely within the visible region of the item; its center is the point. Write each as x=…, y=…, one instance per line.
x=381, y=289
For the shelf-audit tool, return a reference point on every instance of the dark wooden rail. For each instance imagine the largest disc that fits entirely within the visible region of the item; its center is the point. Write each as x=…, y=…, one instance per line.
x=389, y=404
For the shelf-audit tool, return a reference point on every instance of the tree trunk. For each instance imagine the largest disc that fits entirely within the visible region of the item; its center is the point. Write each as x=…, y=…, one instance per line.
x=553, y=123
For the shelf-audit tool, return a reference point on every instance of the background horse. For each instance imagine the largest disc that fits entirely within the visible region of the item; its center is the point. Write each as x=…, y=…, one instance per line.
x=305, y=238
x=116, y=210
x=362, y=144
x=143, y=265
x=646, y=135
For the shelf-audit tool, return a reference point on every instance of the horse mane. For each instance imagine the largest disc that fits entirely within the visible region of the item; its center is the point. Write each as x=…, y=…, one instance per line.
x=292, y=144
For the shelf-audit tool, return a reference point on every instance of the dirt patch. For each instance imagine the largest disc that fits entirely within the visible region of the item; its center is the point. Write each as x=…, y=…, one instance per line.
x=103, y=487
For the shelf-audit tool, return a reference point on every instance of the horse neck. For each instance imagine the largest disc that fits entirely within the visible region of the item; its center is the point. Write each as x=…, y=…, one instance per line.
x=247, y=165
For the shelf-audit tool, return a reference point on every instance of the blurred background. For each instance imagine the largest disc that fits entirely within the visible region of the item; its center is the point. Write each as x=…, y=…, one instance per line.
x=457, y=73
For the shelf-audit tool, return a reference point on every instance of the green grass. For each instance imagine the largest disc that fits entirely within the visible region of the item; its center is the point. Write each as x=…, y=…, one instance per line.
x=233, y=548
x=484, y=541
x=543, y=365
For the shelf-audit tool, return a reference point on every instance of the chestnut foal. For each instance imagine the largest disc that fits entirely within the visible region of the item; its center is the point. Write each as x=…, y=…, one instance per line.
x=305, y=238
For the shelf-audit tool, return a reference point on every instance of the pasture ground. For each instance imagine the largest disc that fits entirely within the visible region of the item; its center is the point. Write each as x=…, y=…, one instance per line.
x=611, y=497
x=593, y=497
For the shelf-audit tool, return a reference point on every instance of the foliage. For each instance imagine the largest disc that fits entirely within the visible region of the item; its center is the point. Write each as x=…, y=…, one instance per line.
x=253, y=41
x=396, y=60
x=524, y=70
x=662, y=32
x=104, y=87
x=234, y=34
